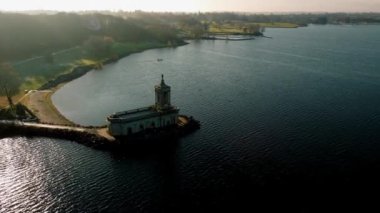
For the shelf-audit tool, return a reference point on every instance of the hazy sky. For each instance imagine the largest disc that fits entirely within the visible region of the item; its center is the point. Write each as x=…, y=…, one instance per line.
x=197, y=5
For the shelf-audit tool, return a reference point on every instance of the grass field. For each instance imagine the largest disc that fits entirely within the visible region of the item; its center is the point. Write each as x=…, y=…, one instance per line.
x=278, y=25
x=36, y=71
x=238, y=27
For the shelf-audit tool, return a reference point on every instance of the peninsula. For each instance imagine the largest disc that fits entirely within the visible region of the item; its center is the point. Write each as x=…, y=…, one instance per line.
x=156, y=122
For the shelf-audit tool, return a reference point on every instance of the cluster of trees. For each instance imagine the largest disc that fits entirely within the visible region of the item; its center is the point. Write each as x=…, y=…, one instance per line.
x=253, y=29
x=23, y=36
x=98, y=45
x=195, y=28
x=17, y=111
x=9, y=82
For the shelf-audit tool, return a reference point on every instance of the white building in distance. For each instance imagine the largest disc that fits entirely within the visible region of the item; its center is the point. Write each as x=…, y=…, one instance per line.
x=161, y=114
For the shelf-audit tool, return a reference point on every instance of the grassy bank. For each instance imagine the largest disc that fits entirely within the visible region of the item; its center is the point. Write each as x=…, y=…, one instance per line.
x=37, y=71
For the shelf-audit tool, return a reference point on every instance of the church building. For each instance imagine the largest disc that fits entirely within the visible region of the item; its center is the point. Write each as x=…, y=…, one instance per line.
x=161, y=114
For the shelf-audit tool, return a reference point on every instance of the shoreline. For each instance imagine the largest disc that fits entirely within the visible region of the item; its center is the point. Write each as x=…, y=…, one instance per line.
x=53, y=124
x=39, y=101
x=81, y=70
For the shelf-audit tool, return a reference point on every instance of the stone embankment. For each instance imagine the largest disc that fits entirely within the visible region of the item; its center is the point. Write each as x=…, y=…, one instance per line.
x=95, y=137
x=86, y=136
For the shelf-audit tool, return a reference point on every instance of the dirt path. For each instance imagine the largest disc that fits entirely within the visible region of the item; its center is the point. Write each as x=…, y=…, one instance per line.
x=39, y=102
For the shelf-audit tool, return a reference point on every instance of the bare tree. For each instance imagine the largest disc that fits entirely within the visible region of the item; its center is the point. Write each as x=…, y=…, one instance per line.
x=9, y=82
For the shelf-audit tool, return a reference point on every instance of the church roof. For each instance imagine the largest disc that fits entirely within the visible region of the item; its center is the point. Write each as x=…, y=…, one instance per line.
x=139, y=114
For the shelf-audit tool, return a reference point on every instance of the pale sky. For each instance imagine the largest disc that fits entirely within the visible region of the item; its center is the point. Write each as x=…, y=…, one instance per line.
x=196, y=5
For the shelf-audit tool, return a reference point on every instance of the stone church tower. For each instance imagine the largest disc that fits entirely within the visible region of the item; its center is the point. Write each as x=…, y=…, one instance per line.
x=133, y=121
x=162, y=96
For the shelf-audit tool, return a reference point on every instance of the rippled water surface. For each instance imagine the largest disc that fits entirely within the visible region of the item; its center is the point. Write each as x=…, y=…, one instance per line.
x=282, y=119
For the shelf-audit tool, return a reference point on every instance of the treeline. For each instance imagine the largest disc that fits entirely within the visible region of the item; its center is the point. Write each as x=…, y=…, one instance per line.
x=296, y=18
x=194, y=25
x=199, y=23
x=24, y=36
x=318, y=18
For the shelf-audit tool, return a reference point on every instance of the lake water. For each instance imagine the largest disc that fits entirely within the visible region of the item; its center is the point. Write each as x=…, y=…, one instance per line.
x=283, y=120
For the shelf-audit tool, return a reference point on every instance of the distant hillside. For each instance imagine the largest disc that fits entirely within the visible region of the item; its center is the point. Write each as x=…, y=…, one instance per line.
x=24, y=36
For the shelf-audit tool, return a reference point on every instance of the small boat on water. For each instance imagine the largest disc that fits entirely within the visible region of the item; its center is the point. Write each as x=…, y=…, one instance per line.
x=159, y=59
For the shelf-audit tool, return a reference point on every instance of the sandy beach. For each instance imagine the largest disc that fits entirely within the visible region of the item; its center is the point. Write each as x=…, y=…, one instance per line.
x=39, y=102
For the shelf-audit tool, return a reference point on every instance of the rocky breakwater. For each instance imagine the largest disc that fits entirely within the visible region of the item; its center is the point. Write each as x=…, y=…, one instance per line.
x=75, y=73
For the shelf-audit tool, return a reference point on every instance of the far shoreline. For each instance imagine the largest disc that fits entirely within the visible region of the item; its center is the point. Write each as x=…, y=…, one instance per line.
x=81, y=70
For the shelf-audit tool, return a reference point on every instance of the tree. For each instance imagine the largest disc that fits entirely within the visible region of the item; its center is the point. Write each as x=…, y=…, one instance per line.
x=194, y=27
x=98, y=45
x=10, y=82
x=253, y=28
